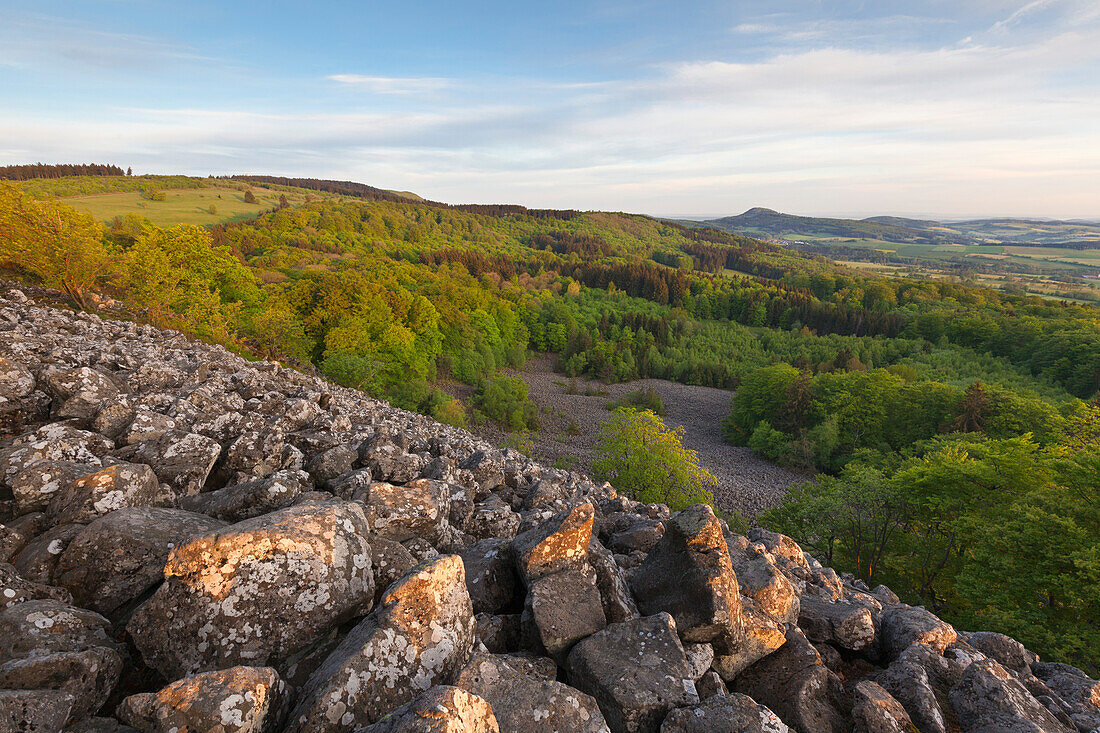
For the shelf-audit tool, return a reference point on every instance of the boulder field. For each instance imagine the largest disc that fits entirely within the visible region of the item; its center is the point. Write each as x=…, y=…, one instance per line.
x=191, y=541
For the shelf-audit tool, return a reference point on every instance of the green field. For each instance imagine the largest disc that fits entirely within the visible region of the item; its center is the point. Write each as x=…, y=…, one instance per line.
x=1047, y=259
x=184, y=205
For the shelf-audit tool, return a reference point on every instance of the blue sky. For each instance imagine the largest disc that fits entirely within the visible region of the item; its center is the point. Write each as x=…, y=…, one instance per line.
x=963, y=108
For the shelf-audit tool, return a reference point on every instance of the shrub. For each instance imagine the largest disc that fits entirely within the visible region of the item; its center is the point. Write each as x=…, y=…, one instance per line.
x=520, y=441
x=350, y=370
x=769, y=442
x=448, y=410
x=505, y=400
x=642, y=399
x=640, y=455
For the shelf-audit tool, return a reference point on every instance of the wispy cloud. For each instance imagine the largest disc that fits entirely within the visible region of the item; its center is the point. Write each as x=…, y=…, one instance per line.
x=392, y=84
x=814, y=120
x=1020, y=13
x=34, y=40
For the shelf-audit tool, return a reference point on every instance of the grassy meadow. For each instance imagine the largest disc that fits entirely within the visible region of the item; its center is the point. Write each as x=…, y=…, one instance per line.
x=184, y=205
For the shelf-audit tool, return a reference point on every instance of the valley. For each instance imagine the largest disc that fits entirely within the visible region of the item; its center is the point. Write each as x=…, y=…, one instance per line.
x=572, y=410
x=907, y=423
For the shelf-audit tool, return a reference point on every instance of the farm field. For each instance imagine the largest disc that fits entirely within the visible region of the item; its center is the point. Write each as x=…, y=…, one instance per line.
x=184, y=205
x=1046, y=259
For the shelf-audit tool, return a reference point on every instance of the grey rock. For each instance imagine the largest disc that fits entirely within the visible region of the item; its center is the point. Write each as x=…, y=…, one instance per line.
x=492, y=518
x=564, y=608
x=234, y=700
x=421, y=635
x=490, y=575
x=636, y=670
x=38, y=628
x=904, y=625
x=528, y=704
x=689, y=575
x=846, y=624
x=794, y=683
x=106, y=490
x=36, y=485
x=618, y=602
x=390, y=562
x=759, y=578
x=16, y=381
x=181, y=460
x=710, y=684
x=734, y=713
x=257, y=590
x=53, y=442
x=34, y=711
x=332, y=464
x=116, y=559
x=875, y=710
x=249, y=499
x=418, y=509
x=988, y=699
x=499, y=633
x=38, y=559
x=16, y=589
x=442, y=709
x=88, y=676
x=559, y=543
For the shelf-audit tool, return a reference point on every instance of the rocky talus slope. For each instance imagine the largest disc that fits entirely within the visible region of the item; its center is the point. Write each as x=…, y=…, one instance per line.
x=195, y=542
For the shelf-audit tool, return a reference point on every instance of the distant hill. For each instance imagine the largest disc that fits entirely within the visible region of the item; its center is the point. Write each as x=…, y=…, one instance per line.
x=768, y=223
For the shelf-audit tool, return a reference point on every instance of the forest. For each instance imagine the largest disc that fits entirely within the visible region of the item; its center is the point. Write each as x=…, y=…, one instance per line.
x=61, y=170
x=955, y=428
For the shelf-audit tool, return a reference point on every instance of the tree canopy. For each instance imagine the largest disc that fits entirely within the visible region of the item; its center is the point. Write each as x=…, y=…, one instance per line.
x=641, y=455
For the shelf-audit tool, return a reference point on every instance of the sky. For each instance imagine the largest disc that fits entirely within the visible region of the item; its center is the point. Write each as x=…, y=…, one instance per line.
x=946, y=108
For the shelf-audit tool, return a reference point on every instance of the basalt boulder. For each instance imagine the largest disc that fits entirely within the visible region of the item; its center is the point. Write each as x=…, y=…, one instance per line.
x=689, y=575
x=421, y=635
x=258, y=590
x=636, y=670
x=103, y=491
x=234, y=700
x=442, y=709
x=559, y=543
x=734, y=713
x=797, y=686
x=528, y=704
x=119, y=557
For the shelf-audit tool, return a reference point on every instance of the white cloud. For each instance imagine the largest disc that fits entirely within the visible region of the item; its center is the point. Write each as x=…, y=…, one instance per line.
x=392, y=84
x=28, y=41
x=991, y=127
x=1020, y=13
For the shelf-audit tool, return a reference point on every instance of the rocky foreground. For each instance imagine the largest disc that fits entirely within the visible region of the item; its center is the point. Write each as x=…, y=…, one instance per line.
x=194, y=542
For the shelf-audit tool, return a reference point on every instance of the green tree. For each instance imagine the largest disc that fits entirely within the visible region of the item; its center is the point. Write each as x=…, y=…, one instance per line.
x=505, y=400
x=639, y=454
x=63, y=247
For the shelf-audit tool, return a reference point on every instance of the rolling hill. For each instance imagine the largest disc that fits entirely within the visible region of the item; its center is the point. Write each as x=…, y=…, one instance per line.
x=1032, y=232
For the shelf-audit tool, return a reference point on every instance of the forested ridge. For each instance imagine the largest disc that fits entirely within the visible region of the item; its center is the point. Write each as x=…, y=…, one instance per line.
x=58, y=170
x=956, y=427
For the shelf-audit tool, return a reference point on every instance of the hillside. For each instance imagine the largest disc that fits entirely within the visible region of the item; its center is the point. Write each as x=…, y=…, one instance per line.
x=935, y=414
x=1053, y=259
x=766, y=222
x=200, y=542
